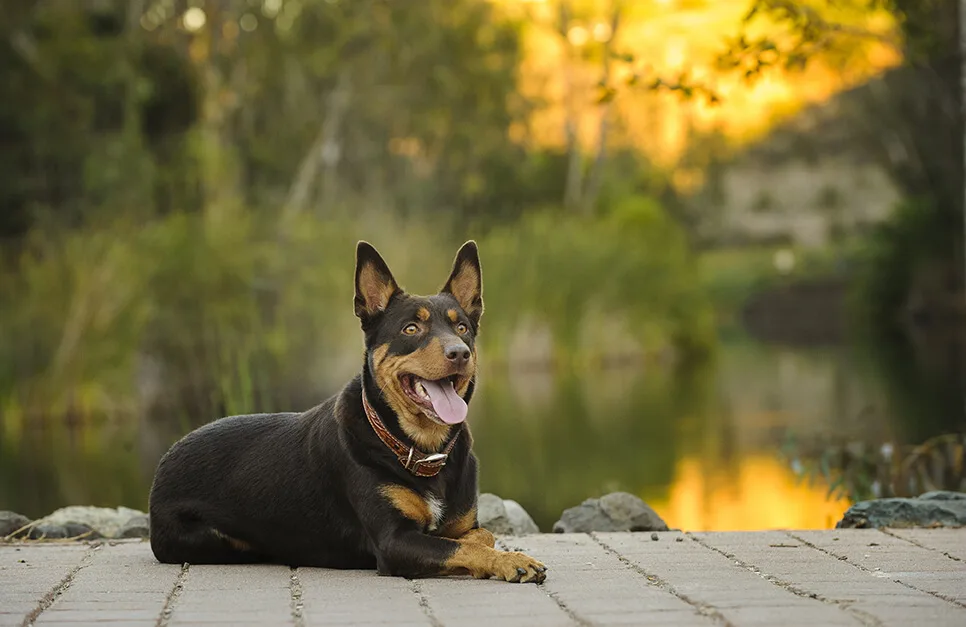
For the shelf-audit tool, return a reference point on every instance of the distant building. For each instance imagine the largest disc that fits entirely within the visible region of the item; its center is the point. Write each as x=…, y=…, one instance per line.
x=815, y=177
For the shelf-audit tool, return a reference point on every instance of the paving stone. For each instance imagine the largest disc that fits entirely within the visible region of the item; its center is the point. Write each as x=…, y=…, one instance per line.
x=618, y=588
x=717, y=584
x=30, y=571
x=491, y=600
x=346, y=597
x=896, y=559
x=249, y=593
x=949, y=541
x=811, y=569
x=758, y=578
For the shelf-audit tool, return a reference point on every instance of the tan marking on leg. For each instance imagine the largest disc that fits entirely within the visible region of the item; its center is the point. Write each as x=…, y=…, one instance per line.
x=452, y=315
x=423, y=314
x=460, y=526
x=235, y=543
x=483, y=562
x=408, y=503
x=478, y=536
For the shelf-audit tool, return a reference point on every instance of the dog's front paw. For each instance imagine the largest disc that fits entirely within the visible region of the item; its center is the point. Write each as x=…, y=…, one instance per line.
x=519, y=568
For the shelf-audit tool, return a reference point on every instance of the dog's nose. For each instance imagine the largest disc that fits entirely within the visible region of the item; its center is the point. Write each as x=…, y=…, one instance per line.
x=458, y=354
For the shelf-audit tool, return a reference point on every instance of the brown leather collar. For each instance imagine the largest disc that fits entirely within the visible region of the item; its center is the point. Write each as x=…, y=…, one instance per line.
x=415, y=461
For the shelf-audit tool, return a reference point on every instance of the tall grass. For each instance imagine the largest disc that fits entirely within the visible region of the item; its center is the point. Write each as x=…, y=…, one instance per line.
x=226, y=312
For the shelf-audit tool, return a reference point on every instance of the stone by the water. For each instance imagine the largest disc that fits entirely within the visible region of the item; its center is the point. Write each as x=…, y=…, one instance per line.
x=106, y=521
x=617, y=511
x=11, y=522
x=520, y=520
x=504, y=517
x=932, y=509
x=136, y=527
x=47, y=531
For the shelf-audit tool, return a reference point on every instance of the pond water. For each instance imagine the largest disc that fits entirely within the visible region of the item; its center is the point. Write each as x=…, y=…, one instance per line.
x=702, y=446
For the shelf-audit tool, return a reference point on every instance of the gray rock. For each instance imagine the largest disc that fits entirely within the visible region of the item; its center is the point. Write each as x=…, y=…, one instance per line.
x=47, y=531
x=521, y=522
x=136, y=527
x=618, y=511
x=942, y=495
x=81, y=532
x=104, y=520
x=505, y=518
x=932, y=509
x=11, y=522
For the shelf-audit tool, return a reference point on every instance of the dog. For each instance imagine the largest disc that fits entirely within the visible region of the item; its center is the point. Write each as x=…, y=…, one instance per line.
x=379, y=476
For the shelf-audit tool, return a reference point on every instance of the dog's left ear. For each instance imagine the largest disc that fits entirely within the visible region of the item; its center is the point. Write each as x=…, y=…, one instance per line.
x=465, y=283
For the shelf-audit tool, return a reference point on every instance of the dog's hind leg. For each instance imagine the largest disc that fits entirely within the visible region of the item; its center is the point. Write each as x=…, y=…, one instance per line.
x=184, y=536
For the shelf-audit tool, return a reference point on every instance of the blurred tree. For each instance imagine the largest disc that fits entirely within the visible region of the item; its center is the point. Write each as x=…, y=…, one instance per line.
x=85, y=92
x=302, y=104
x=913, y=120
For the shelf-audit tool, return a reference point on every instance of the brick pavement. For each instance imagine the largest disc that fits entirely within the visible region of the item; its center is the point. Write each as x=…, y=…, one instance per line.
x=841, y=577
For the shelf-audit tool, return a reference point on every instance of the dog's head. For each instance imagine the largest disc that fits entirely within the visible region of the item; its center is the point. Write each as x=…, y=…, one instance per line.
x=421, y=350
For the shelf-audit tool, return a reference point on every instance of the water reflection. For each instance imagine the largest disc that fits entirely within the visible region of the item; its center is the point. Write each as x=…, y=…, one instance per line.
x=700, y=445
x=759, y=492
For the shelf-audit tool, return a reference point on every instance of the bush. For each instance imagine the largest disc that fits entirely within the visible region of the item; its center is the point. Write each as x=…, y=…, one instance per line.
x=221, y=312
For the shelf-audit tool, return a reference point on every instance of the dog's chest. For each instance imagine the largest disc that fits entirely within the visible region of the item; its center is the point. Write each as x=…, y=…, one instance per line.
x=437, y=509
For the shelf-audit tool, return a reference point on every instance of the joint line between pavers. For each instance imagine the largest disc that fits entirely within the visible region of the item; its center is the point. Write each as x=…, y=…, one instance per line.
x=424, y=604
x=295, y=589
x=171, y=600
x=845, y=606
x=848, y=561
x=919, y=544
x=574, y=616
x=651, y=578
x=55, y=593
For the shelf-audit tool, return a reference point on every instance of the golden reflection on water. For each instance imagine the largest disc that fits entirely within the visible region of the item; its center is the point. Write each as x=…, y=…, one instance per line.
x=758, y=493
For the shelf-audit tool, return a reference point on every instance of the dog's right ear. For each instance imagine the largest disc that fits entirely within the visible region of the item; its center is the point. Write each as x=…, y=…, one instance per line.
x=375, y=285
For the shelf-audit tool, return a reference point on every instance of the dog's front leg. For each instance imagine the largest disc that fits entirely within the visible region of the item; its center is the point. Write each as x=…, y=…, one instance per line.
x=411, y=553
x=397, y=521
x=478, y=536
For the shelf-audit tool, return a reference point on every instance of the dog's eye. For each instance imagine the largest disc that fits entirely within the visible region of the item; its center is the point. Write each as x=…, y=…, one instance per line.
x=410, y=329
x=461, y=328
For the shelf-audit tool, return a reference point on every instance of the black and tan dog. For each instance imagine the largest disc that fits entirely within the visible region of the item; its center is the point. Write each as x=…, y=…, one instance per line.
x=380, y=475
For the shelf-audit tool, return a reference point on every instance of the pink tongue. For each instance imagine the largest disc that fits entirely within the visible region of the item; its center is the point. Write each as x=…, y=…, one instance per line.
x=446, y=402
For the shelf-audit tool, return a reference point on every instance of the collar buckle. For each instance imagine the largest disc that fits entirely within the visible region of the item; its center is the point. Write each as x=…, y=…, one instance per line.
x=429, y=459
x=427, y=465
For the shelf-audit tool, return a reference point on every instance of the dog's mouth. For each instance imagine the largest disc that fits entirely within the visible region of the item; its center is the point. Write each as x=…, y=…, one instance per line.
x=437, y=399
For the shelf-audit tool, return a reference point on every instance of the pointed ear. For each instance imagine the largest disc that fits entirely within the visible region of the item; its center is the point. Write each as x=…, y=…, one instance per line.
x=465, y=283
x=375, y=285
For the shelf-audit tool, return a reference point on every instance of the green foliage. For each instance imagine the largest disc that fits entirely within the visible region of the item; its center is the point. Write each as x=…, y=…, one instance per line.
x=154, y=118
x=139, y=272
x=239, y=316
x=858, y=471
x=633, y=263
x=916, y=236
x=909, y=282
